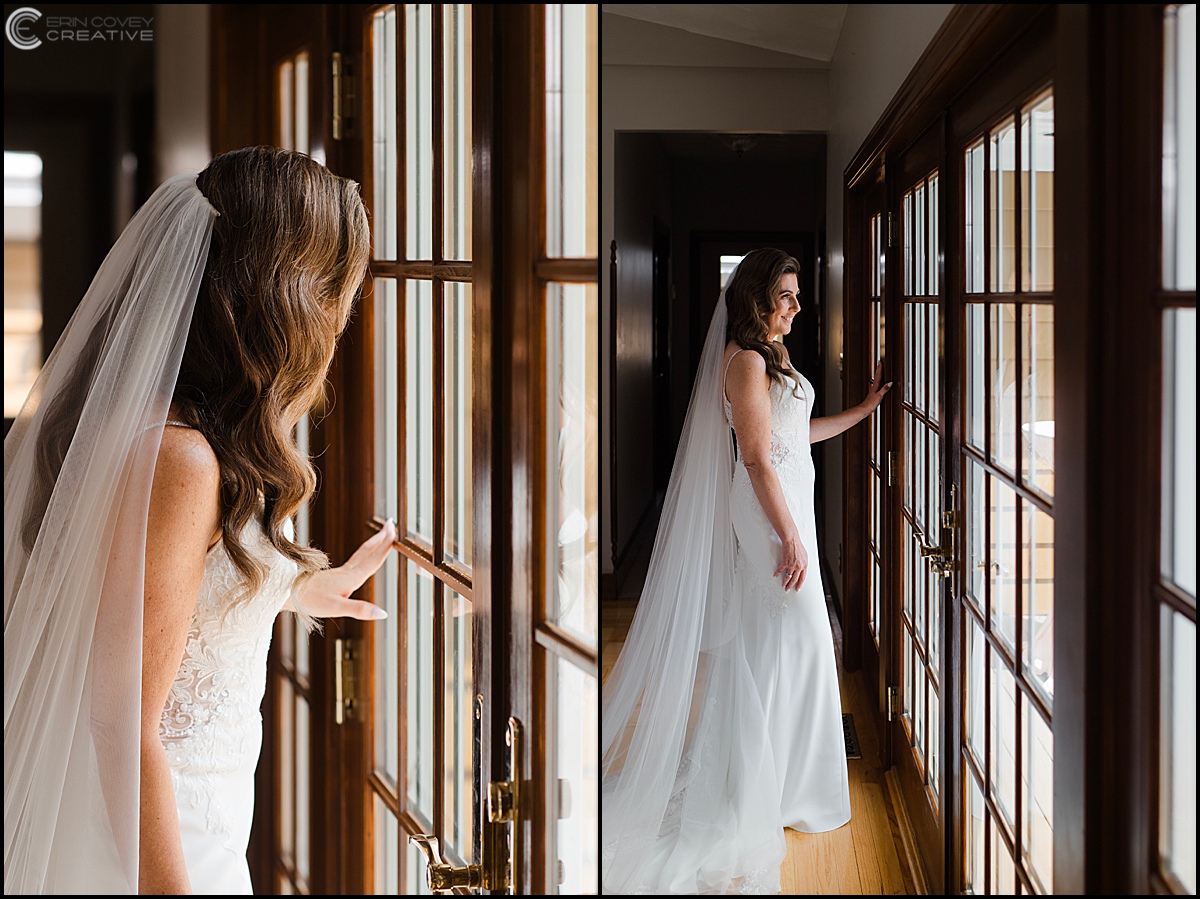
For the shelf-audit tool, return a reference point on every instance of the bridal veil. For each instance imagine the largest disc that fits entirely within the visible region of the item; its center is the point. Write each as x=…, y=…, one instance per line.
x=78, y=466
x=690, y=793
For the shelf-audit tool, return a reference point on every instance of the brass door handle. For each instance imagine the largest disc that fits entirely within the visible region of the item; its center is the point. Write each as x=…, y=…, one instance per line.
x=493, y=871
x=441, y=876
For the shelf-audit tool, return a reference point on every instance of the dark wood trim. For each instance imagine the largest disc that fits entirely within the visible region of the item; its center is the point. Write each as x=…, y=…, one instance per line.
x=560, y=643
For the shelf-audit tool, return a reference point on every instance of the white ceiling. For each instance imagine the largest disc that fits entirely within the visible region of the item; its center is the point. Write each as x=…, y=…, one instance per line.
x=807, y=31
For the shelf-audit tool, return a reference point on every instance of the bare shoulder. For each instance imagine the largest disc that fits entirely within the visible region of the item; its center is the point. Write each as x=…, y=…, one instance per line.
x=746, y=370
x=187, y=485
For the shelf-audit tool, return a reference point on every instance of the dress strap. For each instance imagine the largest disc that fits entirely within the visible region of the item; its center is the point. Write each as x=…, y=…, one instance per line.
x=725, y=377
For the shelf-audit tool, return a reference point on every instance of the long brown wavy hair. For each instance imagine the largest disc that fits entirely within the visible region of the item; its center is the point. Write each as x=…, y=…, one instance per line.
x=289, y=252
x=750, y=301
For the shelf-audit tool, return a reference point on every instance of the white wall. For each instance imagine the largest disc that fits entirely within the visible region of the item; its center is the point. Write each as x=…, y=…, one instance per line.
x=879, y=45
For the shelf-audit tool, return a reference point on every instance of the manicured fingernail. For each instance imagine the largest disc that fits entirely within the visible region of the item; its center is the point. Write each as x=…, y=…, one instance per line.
x=379, y=613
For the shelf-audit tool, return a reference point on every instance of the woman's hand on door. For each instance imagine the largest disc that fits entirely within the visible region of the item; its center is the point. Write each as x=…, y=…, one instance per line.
x=327, y=593
x=877, y=390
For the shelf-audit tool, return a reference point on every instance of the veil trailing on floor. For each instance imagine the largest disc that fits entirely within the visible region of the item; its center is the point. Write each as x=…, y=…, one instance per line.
x=78, y=466
x=690, y=793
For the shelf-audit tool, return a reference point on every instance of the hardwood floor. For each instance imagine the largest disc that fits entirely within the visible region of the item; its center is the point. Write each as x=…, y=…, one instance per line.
x=863, y=857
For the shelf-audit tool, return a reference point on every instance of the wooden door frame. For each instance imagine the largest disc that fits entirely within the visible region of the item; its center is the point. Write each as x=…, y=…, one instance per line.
x=1107, y=79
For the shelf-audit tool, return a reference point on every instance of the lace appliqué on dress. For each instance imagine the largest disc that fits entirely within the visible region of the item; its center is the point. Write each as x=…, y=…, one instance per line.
x=211, y=720
x=772, y=595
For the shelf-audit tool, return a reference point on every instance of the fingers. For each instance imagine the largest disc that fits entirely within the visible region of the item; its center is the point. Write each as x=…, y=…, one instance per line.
x=372, y=552
x=364, y=611
x=793, y=574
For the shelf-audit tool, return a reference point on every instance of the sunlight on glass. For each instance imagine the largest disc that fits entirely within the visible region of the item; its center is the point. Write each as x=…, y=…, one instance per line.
x=22, y=277
x=1179, y=147
x=571, y=129
x=457, y=139
x=385, y=140
x=418, y=58
x=1037, y=186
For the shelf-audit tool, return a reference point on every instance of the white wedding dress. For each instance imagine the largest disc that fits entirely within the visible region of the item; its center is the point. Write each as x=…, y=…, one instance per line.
x=788, y=640
x=211, y=726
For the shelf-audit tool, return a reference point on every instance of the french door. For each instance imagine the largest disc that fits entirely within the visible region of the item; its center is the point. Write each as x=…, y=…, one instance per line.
x=957, y=570
x=450, y=747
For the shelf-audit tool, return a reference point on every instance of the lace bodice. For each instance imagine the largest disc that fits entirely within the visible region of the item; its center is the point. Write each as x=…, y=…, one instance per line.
x=791, y=407
x=211, y=727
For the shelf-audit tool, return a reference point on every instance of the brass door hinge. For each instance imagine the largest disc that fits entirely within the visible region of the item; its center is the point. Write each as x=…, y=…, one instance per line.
x=345, y=97
x=891, y=702
x=348, y=679
x=891, y=231
x=891, y=468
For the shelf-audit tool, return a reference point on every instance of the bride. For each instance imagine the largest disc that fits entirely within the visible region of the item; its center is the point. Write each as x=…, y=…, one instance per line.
x=149, y=483
x=722, y=717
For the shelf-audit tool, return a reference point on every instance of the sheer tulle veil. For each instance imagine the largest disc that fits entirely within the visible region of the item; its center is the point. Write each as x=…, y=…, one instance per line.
x=78, y=466
x=690, y=797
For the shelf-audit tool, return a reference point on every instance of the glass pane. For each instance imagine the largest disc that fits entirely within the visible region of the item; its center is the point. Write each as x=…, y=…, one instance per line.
x=920, y=391
x=1037, y=397
x=387, y=850
x=418, y=415
x=1003, y=556
x=1002, y=711
x=920, y=485
x=1179, y=449
x=22, y=277
x=419, y=128
x=909, y=239
x=920, y=593
x=287, y=766
x=1177, y=787
x=1003, y=217
x=912, y=563
x=920, y=264
x=386, y=633
x=420, y=669
x=1037, y=182
x=975, y=506
x=906, y=655
x=973, y=704
x=919, y=707
x=974, y=217
x=1179, y=147
x=1003, y=362
x=935, y=749
x=573, y=310
x=576, y=711
x=457, y=400
x=1038, y=591
x=976, y=363
x=303, y=796
x=908, y=458
x=459, y=695
x=385, y=140
x=456, y=114
x=1037, y=796
x=934, y=246
x=1003, y=871
x=909, y=362
x=571, y=129
x=934, y=367
x=974, y=845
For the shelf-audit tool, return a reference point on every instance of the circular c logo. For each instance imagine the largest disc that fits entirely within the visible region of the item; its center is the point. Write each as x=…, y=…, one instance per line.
x=21, y=17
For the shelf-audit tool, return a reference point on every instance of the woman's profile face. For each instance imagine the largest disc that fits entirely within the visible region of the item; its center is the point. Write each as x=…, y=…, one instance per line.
x=787, y=304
